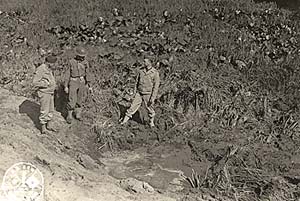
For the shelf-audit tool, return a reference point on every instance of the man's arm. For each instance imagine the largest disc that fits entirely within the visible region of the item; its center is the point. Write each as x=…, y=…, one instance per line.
x=38, y=82
x=88, y=73
x=67, y=76
x=155, y=87
x=137, y=81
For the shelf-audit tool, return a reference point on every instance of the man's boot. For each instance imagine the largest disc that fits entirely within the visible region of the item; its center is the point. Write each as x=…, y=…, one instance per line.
x=125, y=120
x=70, y=117
x=78, y=113
x=51, y=127
x=44, y=129
x=151, y=122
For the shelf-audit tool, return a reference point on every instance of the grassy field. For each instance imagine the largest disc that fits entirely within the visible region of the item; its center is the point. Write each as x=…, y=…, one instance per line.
x=229, y=69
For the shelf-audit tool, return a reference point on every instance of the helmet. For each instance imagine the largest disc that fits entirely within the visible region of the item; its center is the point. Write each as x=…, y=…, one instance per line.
x=80, y=51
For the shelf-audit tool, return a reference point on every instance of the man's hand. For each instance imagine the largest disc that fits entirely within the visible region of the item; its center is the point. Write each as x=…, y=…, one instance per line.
x=66, y=90
x=90, y=89
x=47, y=82
x=151, y=102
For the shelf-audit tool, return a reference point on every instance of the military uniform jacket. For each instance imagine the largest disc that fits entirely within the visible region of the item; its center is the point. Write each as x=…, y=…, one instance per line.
x=148, y=82
x=77, y=69
x=44, y=79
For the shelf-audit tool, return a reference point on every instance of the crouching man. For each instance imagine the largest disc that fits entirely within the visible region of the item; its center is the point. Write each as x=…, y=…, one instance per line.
x=146, y=91
x=45, y=84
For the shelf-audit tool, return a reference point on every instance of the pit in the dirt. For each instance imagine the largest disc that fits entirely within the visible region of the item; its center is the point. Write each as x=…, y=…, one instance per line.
x=163, y=167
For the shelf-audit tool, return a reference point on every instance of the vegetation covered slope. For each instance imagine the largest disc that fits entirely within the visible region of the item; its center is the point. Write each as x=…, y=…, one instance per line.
x=229, y=69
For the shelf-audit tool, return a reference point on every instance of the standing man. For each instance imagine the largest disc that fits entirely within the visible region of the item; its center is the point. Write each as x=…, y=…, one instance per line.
x=45, y=83
x=77, y=79
x=146, y=91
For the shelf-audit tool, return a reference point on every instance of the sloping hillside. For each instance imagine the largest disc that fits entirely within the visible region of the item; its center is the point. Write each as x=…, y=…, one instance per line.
x=70, y=174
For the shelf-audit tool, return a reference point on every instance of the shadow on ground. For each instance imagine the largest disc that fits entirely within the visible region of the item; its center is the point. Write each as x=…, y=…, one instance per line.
x=32, y=110
x=60, y=101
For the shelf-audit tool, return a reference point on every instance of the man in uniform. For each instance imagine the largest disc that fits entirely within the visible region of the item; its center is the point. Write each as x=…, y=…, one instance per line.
x=45, y=84
x=77, y=79
x=146, y=91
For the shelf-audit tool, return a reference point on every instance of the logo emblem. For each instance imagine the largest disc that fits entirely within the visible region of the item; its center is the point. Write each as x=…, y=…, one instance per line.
x=23, y=182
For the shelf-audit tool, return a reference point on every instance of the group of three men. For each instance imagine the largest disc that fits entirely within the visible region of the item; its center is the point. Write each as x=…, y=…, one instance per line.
x=77, y=79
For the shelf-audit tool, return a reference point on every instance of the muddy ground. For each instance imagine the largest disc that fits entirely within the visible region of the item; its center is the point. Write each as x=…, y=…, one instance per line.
x=77, y=167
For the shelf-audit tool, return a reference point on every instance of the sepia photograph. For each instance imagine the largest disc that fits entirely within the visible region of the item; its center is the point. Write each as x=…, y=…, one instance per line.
x=149, y=100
